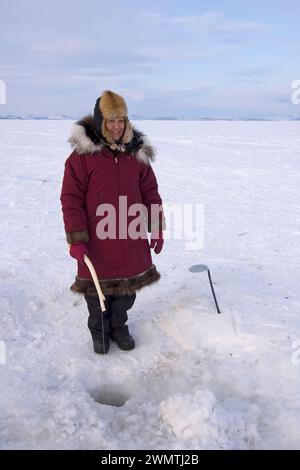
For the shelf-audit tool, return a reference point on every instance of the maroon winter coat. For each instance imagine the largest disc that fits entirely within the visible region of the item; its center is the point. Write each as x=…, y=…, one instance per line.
x=94, y=176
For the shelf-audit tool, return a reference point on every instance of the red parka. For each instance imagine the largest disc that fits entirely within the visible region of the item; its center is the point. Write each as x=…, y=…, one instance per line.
x=94, y=176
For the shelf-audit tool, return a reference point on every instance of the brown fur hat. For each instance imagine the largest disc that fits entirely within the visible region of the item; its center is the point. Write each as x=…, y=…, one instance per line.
x=111, y=105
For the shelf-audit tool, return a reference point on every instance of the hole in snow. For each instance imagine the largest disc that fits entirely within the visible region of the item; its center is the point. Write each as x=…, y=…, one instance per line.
x=110, y=395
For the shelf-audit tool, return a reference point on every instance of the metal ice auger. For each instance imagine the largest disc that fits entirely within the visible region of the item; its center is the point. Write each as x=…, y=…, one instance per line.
x=198, y=268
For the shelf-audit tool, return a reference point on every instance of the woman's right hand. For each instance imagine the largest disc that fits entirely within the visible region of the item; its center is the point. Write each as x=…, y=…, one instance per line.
x=78, y=250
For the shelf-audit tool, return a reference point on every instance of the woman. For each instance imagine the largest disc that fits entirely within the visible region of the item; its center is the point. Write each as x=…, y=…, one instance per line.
x=110, y=166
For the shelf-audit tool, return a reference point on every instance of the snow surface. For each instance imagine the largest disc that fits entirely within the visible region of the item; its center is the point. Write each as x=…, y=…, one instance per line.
x=196, y=380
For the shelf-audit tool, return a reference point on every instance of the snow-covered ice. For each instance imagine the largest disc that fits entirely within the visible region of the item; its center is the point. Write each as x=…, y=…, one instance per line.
x=196, y=380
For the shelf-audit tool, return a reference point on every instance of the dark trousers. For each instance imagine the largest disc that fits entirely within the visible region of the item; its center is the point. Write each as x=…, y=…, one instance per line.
x=114, y=317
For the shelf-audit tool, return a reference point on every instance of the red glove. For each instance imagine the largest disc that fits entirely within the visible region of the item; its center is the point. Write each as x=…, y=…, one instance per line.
x=157, y=241
x=78, y=250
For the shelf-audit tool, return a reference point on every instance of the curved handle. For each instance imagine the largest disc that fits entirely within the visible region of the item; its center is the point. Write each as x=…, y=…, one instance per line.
x=96, y=282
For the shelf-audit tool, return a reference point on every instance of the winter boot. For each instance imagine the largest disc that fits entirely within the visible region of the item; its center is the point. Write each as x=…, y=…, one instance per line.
x=98, y=326
x=101, y=347
x=118, y=317
x=123, y=338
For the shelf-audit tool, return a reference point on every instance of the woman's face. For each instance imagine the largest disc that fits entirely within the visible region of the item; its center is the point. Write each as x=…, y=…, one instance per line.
x=115, y=127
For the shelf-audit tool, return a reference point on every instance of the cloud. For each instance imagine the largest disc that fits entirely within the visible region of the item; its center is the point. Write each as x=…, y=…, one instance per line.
x=60, y=45
x=214, y=24
x=211, y=24
x=216, y=101
x=151, y=40
x=163, y=63
x=254, y=71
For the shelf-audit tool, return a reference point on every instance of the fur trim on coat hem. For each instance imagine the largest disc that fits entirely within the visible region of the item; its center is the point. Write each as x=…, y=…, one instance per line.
x=126, y=286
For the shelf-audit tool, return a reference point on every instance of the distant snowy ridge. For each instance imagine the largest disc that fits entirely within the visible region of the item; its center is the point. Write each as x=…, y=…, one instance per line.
x=156, y=118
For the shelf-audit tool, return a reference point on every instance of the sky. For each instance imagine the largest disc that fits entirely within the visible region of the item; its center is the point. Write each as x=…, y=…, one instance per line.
x=191, y=59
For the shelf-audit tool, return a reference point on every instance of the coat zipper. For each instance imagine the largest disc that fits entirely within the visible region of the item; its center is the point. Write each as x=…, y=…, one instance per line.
x=121, y=241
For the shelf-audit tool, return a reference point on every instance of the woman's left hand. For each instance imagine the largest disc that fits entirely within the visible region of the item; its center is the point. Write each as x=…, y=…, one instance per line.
x=157, y=241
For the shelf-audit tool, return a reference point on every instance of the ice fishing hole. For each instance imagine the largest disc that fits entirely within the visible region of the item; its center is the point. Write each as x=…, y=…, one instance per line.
x=110, y=395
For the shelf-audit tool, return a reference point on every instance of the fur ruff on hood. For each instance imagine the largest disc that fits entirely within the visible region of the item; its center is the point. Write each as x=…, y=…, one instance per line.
x=86, y=139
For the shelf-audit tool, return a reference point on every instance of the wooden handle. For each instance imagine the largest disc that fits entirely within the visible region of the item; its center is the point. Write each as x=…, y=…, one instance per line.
x=96, y=282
